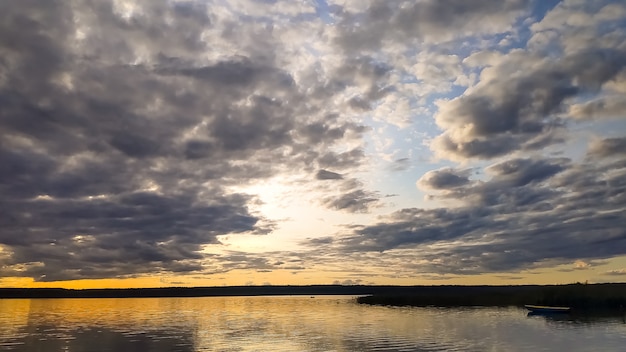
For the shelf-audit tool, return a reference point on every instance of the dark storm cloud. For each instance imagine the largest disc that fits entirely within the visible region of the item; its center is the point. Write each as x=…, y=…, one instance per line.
x=121, y=132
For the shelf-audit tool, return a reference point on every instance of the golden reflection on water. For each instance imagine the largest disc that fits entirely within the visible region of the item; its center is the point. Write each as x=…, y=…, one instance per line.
x=13, y=316
x=274, y=324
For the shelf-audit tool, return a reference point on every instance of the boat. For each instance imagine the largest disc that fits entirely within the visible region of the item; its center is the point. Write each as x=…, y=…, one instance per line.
x=546, y=309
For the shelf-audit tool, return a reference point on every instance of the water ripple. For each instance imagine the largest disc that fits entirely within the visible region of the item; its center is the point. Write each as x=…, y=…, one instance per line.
x=241, y=324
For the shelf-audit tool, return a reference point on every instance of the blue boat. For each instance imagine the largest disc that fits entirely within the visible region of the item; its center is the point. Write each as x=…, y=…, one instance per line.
x=546, y=309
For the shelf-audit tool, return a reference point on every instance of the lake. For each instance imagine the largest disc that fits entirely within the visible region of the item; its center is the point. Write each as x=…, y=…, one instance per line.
x=289, y=323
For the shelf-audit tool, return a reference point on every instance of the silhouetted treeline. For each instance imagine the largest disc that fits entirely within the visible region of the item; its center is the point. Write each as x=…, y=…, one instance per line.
x=578, y=296
x=581, y=296
x=204, y=291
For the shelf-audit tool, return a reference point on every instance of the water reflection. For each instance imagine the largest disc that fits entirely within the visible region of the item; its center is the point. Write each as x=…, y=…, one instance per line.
x=50, y=338
x=282, y=324
x=581, y=318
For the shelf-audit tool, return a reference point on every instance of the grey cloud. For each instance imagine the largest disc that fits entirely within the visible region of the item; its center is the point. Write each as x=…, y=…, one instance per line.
x=618, y=272
x=356, y=201
x=425, y=20
x=370, y=75
x=329, y=131
x=124, y=131
x=343, y=160
x=444, y=179
x=134, y=145
x=520, y=172
x=123, y=235
x=237, y=71
x=613, y=106
x=350, y=196
x=172, y=29
x=476, y=148
x=328, y=175
x=513, y=175
x=531, y=211
x=362, y=68
x=319, y=241
x=608, y=147
x=400, y=164
x=508, y=114
x=411, y=227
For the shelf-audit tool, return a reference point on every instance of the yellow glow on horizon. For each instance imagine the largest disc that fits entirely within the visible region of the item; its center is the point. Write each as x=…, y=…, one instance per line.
x=560, y=274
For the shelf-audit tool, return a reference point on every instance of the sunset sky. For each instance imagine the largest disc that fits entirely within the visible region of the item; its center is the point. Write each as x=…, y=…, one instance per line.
x=238, y=142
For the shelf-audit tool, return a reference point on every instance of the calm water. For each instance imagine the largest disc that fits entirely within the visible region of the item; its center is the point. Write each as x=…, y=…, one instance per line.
x=288, y=324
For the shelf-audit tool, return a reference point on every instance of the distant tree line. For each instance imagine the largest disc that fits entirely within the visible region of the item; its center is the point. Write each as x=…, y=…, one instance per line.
x=581, y=296
x=578, y=296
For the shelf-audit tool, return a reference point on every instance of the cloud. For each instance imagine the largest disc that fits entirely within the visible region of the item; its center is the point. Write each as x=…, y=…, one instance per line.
x=124, y=128
x=608, y=147
x=582, y=265
x=510, y=110
x=348, y=282
x=613, y=106
x=444, y=179
x=525, y=98
x=328, y=175
x=508, y=186
x=398, y=22
x=319, y=241
x=617, y=272
x=132, y=132
x=355, y=201
x=528, y=213
x=119, y=235
x=401, y=164
x=520, y=172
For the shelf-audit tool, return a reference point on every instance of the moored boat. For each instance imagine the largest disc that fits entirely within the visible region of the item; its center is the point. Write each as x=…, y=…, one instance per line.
x=547, y=309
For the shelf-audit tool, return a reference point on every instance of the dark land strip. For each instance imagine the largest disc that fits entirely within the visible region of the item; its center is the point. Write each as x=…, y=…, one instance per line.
x=582, y=296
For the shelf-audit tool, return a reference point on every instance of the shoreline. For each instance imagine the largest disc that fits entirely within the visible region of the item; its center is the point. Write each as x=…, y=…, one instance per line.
x=578, y=297
x=607, y=295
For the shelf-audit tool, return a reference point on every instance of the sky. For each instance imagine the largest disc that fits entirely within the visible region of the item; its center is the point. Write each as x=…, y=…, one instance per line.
x=254, y=142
